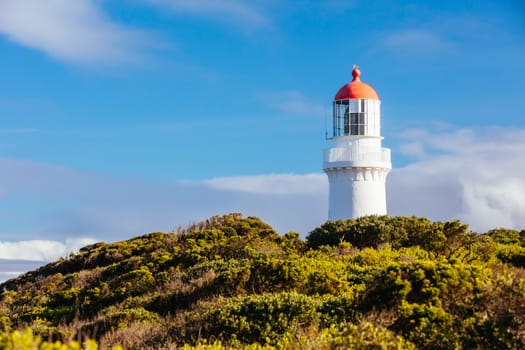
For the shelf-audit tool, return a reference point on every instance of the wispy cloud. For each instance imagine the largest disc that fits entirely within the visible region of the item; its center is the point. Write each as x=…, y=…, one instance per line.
x=412, y=42
x=438, y=34
x=73, y=31
x=272, y=184
x=225, y=10
x=413, y=149
x=18, y=131
x=293, y=102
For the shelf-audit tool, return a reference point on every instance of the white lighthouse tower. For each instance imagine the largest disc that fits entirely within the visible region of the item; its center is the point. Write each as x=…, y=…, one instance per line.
x=356, y=164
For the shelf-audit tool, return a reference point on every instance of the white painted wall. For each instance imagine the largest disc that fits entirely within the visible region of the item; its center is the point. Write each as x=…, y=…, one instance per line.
x=355, y=192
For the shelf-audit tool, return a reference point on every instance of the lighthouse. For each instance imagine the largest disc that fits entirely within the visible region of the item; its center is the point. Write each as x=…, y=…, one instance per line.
x=356, y=163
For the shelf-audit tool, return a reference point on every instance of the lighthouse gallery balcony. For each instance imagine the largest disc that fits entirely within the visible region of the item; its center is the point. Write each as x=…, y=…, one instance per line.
x=355, y=156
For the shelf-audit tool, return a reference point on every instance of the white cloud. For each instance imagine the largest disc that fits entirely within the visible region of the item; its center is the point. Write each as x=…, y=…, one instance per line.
x=10, y=268
x=74, y=31
x=5, y=275
x=272, y=184
x=225, y=10
x=413, y=149
x=42, y=250
x=475, y=175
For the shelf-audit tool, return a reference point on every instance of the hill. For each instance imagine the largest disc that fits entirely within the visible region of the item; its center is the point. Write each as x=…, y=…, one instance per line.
x=377, y=282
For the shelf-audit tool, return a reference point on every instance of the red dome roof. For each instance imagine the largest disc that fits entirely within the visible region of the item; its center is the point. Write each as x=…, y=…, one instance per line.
x=356, y=88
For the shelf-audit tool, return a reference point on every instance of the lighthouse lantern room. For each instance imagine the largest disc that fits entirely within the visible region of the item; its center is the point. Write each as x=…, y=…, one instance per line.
x=356, y=164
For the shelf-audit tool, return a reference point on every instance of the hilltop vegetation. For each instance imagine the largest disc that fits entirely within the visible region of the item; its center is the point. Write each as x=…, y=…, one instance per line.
x=371, y=283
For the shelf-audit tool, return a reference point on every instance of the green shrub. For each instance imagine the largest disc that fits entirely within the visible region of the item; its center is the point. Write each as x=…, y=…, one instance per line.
x=261, y=318
x=27, y=341
x=504, y=236
x=512, y=254
x=372, y=231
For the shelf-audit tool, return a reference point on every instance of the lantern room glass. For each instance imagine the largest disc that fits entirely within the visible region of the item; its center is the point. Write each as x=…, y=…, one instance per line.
x=349, y=119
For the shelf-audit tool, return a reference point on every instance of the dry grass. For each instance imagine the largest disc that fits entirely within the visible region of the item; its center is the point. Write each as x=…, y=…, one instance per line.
x=138, y=335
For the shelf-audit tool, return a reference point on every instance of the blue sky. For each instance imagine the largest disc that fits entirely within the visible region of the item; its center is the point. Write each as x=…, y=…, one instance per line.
x=123, y=117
